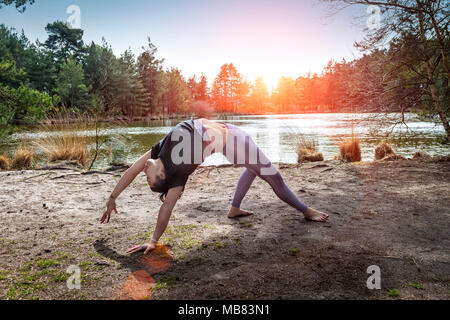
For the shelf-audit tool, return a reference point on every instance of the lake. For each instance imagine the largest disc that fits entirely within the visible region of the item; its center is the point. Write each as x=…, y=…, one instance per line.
x=276, y=135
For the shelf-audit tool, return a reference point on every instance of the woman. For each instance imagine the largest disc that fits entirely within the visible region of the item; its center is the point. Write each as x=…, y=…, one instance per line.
x=170, y=162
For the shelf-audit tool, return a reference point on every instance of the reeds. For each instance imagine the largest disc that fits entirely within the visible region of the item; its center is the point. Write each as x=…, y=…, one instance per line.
x=67, y=140
x=66, y=147
x=71, y=138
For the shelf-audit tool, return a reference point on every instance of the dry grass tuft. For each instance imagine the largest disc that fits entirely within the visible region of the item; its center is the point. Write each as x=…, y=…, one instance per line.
x=74, y=137
x=23, y=158
x=349, y=150
x=306, y=150
x=382, y=150
x=421, y=155
x=393, y=157
x=305, y=155
x=67, y=140
x=4, y=162
x=66, y=147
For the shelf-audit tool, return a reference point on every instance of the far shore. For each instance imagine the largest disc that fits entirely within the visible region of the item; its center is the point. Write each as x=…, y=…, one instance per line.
x=165, y=117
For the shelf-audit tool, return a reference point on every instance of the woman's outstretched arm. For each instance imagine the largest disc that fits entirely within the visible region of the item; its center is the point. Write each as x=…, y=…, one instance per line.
x=128, y=177
x=163, y=219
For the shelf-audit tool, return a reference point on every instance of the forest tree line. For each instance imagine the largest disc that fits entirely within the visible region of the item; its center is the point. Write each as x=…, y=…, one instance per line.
x=409, y=72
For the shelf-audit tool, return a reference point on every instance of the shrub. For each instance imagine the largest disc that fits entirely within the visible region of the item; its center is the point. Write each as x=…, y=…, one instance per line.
x=32, y=105
x=24, y=104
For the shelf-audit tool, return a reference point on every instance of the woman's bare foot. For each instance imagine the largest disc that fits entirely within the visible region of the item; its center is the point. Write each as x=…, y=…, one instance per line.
x=315, y=215
x=236, y=212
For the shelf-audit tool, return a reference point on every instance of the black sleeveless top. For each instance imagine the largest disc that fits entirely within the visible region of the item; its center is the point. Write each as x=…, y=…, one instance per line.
x=181, y=152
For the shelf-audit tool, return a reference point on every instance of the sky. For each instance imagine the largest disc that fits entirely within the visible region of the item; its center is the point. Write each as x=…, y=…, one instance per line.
x=269, y=38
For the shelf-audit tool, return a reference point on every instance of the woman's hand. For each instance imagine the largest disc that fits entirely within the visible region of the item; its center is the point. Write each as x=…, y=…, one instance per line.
x=145, y=247
x=110, y=206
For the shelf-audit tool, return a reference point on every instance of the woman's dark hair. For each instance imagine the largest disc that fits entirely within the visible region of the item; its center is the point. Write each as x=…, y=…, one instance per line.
x=161, y=186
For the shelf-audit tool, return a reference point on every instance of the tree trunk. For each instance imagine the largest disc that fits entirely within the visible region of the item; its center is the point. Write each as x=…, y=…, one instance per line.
x=434, y=94
x=441, y=42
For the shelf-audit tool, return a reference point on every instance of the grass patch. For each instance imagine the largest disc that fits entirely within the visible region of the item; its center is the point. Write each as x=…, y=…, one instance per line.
x=166, y=281
x=418, y=286
x=85, y=265
x=180, y=236
x=198, y=260
x=61, y=277
x=394, y=293
x=48, y=263
x=34, y=278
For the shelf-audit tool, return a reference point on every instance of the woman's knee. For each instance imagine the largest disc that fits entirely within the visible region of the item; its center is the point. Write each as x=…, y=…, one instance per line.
x=274, y=180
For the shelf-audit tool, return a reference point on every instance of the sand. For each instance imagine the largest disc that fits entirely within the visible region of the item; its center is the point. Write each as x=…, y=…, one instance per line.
x=391, y=214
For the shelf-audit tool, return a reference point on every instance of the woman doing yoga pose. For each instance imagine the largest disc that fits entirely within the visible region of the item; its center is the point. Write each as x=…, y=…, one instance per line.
x=170, y=162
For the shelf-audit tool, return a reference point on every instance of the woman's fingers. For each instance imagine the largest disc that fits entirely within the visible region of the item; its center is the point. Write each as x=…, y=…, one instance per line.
x=135, y=249
x=105, y=214
x=131, y=250
x=115, y=210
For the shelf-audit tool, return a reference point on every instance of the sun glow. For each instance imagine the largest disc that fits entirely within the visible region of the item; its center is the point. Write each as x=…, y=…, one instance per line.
x=271, y=81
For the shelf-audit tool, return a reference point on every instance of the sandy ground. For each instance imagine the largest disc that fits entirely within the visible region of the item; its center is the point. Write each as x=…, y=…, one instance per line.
x=391, y=214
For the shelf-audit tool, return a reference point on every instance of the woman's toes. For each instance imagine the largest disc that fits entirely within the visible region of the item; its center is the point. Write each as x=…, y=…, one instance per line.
x=234, y=212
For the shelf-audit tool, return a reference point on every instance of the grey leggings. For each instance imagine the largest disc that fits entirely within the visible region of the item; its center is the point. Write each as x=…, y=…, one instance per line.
x=241, y=150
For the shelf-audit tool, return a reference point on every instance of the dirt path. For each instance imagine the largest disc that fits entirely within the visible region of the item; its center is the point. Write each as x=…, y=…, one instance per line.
x=394, y=215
